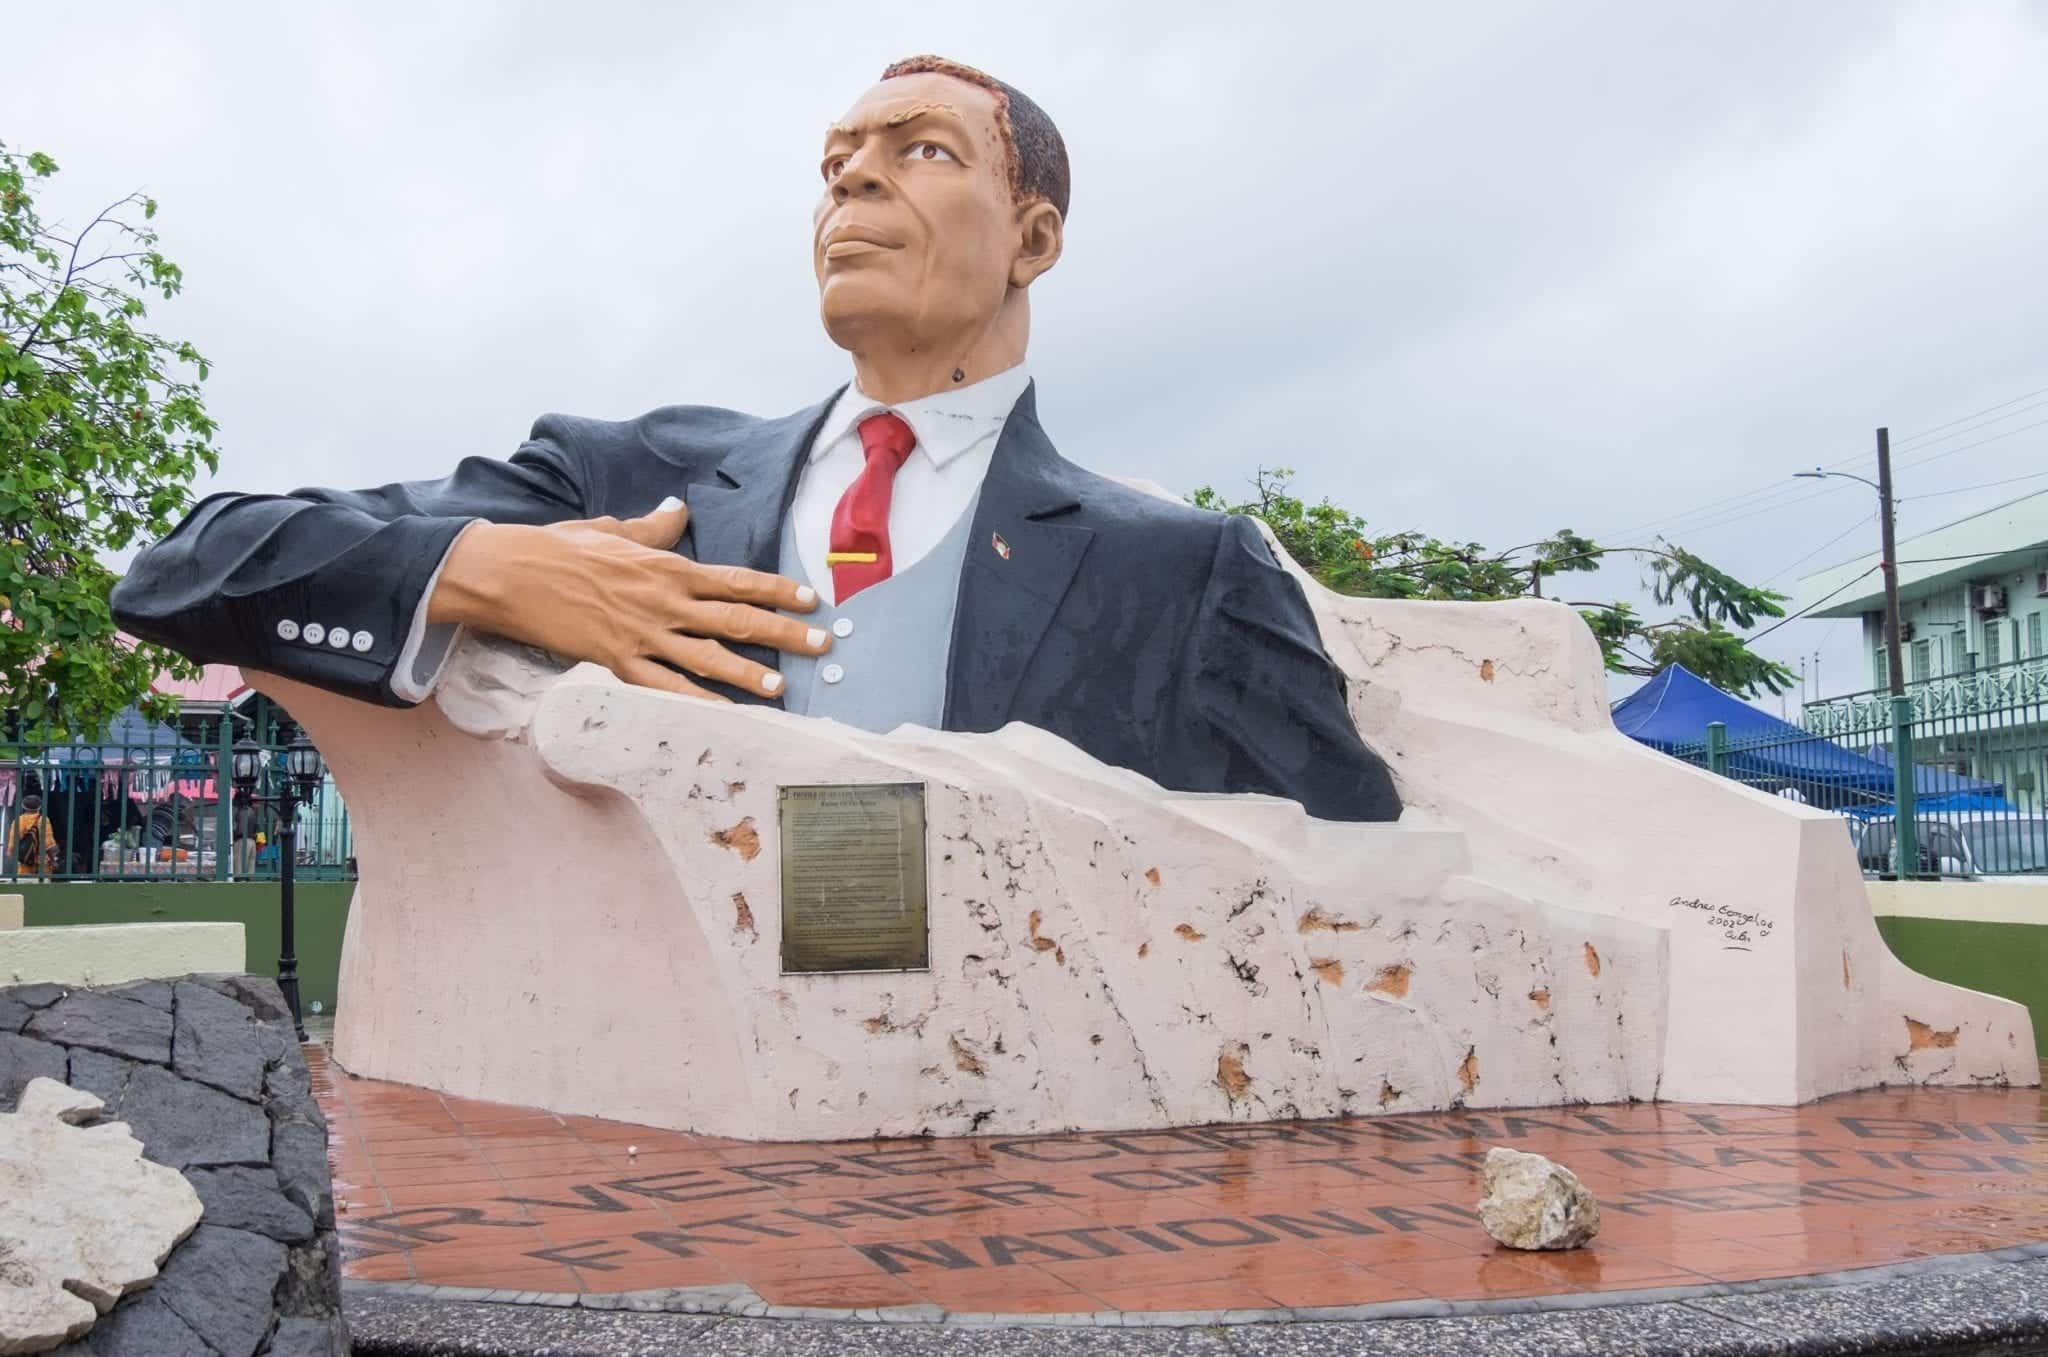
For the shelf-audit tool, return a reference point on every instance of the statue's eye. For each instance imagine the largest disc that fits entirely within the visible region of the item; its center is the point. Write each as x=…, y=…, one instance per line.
x=834, y=167
x=925, y=150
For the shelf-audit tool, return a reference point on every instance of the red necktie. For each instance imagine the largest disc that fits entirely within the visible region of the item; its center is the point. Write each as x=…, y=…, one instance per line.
x=859, y=549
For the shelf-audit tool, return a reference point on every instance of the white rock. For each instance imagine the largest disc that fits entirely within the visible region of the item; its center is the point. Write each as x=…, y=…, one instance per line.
x=1528, y=1202
x=84, y=1218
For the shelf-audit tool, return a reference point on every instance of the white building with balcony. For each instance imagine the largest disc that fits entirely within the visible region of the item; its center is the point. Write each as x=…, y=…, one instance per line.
x=1973, y=607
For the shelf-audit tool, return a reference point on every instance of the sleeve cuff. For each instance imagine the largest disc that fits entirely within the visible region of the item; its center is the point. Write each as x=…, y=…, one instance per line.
x=417, y=671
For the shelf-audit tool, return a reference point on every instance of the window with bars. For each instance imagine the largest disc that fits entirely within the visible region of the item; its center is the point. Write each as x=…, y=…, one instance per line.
x=1881, y=674
x=2034, y=635
x=1923, y=660
x=1993, y=643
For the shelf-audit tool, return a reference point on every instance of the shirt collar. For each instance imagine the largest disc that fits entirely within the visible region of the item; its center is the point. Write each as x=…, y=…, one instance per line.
x=947, y=423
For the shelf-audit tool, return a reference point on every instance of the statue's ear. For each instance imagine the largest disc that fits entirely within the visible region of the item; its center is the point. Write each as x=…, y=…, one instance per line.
x=1041, y=234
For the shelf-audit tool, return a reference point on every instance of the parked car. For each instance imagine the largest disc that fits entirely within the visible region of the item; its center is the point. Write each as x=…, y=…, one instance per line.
x=1987, y=846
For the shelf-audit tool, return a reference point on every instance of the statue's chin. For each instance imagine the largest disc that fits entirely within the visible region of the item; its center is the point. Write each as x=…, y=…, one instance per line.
x=862, y=312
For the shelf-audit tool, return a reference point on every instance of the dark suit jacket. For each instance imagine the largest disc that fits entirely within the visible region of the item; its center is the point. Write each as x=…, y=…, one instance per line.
x=1152, y=635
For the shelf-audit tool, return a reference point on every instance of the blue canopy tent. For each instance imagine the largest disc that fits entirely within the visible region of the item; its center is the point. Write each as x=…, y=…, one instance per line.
x=1671, y=713
x=1946, y=789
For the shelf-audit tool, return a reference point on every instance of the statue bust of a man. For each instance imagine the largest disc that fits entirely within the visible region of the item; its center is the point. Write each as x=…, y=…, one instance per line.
x=911, y=549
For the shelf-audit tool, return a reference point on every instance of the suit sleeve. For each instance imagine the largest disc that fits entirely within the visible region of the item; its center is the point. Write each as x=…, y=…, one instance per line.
x=252, y=579
x=1261, y=707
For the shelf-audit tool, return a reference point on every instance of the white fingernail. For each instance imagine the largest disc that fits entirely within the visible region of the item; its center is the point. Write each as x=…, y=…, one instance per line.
x=770, y=682
x=806, y=595
x=815, y=637
x=669, y=505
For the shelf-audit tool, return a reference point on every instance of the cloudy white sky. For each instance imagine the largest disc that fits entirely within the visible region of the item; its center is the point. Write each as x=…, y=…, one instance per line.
x=1486, y=270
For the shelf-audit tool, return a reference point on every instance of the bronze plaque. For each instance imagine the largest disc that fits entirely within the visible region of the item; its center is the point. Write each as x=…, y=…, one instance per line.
x=853, y=878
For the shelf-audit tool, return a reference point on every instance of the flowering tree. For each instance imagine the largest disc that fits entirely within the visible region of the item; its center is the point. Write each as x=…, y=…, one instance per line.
x=101, y=433
x=1336, y=546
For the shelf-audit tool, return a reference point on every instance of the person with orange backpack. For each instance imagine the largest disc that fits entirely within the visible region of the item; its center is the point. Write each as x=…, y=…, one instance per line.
x=33, y=842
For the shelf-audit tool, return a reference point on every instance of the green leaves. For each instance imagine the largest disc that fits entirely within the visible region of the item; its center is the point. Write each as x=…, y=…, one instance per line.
x=1337, y=548
x=102, y=430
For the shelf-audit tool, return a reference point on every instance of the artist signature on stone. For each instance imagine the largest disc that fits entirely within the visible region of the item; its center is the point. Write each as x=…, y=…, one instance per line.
x=1740, y=929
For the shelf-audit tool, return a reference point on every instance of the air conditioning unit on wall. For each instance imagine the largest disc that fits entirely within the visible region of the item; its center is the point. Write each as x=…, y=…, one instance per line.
x=2041, y=584
x=1990, y=598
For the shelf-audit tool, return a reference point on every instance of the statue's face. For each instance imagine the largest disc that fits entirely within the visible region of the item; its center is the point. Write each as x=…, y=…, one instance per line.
x=917, y=229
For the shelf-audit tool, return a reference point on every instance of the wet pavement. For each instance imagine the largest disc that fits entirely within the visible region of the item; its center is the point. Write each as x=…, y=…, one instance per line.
x=1227, y=1223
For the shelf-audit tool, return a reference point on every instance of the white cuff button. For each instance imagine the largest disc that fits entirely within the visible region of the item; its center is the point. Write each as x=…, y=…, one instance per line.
x=287, y=630
x=362, y=642
x=832, y=673
x=843, y=628
x=314, y=633
x=339, y=638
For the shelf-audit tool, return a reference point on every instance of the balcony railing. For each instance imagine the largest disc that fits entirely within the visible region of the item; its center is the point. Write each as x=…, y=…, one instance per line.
x=1993, y=692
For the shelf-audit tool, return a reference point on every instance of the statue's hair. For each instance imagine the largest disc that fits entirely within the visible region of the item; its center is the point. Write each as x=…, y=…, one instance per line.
x=1036, y=153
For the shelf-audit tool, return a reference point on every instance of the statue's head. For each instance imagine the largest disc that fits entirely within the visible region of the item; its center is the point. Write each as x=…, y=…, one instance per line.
x=945, y=198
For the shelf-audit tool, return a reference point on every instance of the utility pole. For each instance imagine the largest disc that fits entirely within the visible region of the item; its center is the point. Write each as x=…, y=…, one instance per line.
x=1904, y=800
x=1895, y=669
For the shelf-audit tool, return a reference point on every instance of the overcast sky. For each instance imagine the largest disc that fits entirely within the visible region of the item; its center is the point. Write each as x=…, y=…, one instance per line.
x=1485, y=270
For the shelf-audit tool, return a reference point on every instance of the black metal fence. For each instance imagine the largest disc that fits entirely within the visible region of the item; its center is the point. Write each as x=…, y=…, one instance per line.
x=1975, y=745
x=160, y=808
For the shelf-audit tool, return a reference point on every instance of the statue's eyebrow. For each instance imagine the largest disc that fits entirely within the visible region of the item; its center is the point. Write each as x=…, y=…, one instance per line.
x=895, y=120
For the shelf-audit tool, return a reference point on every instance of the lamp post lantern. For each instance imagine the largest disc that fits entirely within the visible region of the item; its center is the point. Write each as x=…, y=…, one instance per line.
x=303, y=770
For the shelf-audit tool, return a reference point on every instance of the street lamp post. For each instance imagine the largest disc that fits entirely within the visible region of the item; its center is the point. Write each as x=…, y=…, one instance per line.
x=1887, y=536
x=1907, y=832
x=303, y=771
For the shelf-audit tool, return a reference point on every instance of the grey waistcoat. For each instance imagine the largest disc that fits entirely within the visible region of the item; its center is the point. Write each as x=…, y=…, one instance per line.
x=893, y=663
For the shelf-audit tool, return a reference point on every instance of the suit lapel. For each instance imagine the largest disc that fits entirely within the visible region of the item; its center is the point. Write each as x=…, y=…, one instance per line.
x=1019, y=564
x=736, y=516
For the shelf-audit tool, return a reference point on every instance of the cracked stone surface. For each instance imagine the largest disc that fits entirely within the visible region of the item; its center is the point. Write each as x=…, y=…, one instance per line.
x=226, y=1096
x=106, y=1022
x=216, y=1042
x=84, y=1218
x=1537, y=929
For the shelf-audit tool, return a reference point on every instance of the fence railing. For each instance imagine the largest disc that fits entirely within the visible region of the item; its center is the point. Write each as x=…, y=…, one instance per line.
x=160, y=809
x=1972, y=803
x=1979, y=692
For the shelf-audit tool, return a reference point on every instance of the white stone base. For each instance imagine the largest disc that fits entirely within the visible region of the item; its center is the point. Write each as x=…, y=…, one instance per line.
x=575, y=906
x=113, y=954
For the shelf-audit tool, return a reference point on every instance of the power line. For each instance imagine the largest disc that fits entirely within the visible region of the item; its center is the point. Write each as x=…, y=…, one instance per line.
x=1924, y=433
x=1738, y=515
x=1949, y=452
x=1867, y=573
x=1794, y=617
x=1981, y=485
x=1870, y=518
x=1920, y=438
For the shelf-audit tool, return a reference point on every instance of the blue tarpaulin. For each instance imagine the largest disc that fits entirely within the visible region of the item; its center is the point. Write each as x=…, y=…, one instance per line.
x=1672, y=711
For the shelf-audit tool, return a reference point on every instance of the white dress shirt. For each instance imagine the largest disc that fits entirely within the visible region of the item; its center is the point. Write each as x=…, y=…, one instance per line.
x=956, y=440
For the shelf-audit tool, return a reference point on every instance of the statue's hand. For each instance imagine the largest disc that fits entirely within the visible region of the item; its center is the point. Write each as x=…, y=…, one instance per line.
x=615, y=593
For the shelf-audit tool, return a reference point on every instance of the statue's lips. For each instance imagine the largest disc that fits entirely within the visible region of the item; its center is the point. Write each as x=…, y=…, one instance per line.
x=847, y=242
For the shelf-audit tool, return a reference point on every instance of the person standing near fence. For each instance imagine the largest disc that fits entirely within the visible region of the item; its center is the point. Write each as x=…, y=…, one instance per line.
x=32, y=841
x=244, y=807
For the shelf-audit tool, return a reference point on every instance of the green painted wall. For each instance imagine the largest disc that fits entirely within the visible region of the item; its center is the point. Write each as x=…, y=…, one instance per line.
x=322, y=909
x=2009, y=960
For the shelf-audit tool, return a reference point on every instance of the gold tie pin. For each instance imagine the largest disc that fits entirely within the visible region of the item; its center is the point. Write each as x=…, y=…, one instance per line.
x=851, y=558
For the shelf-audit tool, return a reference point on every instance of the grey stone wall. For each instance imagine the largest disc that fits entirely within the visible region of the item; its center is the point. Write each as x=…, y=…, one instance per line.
x=207, y=1073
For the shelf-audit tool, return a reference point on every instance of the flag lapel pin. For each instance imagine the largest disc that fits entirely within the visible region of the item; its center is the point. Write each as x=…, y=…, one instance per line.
x=1002, y=547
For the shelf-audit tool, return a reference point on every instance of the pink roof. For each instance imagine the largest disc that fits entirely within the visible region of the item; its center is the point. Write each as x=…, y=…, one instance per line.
x=218, y=683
